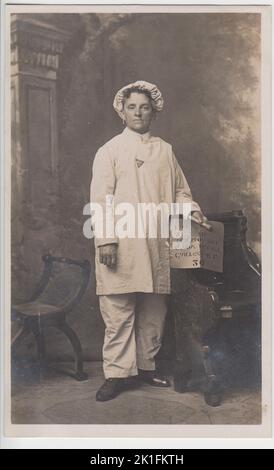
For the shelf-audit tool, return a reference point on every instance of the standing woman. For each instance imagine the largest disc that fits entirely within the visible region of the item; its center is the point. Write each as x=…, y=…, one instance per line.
x=132, y=273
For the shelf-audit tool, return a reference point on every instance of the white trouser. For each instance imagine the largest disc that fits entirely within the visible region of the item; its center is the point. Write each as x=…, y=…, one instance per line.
x=134, y=329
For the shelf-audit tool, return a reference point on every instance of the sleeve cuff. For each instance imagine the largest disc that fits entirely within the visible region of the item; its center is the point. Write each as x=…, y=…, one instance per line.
x=195, y=207
x=105, y=241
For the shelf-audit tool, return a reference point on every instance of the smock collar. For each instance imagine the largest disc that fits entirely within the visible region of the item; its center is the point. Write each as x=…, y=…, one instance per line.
x=136, y=136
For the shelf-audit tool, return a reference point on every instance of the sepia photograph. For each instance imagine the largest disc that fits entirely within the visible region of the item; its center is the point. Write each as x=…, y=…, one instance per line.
x=138, y=205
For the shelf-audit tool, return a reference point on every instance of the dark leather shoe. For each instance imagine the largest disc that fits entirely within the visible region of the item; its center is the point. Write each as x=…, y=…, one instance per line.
x=111, y=388
x=153, y=378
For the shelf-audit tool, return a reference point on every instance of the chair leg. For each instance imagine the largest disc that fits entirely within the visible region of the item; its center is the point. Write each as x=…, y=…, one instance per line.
x=75, y=342
x=40, y=341
x=211, y=387
x=181, y=377
x=38, y=333
x=20, y=335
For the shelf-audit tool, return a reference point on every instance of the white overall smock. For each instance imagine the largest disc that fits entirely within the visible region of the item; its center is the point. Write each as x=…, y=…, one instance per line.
x=135, y=168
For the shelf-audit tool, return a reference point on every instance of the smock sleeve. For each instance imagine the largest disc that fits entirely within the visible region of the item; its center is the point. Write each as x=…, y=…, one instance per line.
x=182, y=189
x=102, y=189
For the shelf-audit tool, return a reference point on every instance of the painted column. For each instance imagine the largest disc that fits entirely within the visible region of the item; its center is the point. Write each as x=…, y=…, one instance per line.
x=36, y=52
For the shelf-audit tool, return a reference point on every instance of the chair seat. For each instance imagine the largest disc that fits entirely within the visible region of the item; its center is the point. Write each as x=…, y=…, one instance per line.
x=238, y=299
x=34, y=309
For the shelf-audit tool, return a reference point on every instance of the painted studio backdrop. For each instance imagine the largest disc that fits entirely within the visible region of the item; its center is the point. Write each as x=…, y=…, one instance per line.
x=66, y=69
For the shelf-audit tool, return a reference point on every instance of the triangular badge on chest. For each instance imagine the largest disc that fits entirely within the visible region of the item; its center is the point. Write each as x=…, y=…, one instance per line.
x=139, y=162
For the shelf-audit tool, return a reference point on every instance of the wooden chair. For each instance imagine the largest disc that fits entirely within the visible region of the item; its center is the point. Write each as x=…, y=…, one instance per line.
x=60, y=289
x=215, y=313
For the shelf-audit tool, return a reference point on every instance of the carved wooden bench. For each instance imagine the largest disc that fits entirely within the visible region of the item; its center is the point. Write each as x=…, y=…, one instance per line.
x=206, y=304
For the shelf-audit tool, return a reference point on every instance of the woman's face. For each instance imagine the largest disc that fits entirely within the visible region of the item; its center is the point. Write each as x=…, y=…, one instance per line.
x=138, y=112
